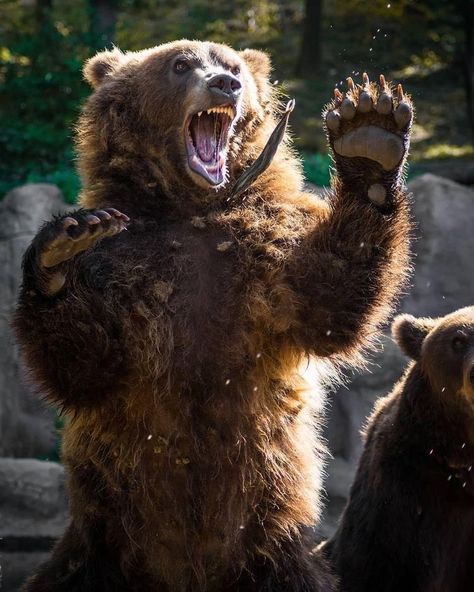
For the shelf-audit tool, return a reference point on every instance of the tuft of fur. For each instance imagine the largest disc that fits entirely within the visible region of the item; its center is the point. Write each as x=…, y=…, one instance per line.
x=103, y=64
x=192, y=438
x=410, y=332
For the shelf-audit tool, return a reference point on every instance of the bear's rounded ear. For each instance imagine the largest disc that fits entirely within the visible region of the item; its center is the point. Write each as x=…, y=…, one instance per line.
x=410, y=332
x=258, y=62
x=102, y=64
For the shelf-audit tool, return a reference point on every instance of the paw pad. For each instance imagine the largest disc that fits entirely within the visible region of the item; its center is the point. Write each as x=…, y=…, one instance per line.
x=377, y=194
x=369, y=122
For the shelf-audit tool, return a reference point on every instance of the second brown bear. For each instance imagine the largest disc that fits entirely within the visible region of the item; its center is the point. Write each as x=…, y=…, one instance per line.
x=409, y=524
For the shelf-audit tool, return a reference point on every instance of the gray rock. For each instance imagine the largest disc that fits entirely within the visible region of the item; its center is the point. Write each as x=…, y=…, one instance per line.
x=33, y=514
x=26, y=427
x=444, y=267
x=33, y=503
x=17, y=567
x=443, y=281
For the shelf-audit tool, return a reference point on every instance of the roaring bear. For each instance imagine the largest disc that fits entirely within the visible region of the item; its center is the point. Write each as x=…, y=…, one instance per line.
x=173, y=321
x=409, y=523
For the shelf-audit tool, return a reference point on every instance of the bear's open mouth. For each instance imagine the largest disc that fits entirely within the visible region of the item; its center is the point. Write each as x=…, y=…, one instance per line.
x=207, y=138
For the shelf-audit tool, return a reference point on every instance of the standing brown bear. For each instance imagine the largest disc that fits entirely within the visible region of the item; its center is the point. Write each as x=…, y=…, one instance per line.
x=409, y=524
x=175, y=348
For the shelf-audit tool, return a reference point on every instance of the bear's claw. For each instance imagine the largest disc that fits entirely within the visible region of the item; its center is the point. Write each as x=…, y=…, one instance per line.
x=80, y=231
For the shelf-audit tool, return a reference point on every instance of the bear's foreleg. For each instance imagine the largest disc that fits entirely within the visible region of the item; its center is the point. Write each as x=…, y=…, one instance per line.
x=70, y=338
x=352, y=263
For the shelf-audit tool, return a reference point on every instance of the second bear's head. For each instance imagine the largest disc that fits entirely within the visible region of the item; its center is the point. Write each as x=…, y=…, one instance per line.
x=183, y=111
x=444, y=349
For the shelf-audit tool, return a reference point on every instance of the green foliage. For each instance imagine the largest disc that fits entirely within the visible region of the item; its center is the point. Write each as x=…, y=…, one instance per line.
x=40, y=68
x=317, y=168
x=43, y=44
x=65, y=178
x=55, y=454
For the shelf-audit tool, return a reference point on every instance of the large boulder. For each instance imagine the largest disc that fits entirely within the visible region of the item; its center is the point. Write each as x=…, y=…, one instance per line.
x=443, y=281
x=33, y=514
x=26, y=427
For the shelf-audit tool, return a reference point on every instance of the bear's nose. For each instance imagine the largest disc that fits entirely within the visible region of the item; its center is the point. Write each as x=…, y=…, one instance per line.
x=225, y=84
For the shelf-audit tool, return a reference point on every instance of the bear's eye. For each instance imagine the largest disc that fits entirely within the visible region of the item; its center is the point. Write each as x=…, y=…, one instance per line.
x=235, y=70
x=181, y=66
x=459, y=343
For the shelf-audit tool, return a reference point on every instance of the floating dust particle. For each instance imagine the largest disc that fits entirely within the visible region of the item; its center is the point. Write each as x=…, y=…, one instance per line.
x=198, y=222
x=162, y=291
x=224, y=246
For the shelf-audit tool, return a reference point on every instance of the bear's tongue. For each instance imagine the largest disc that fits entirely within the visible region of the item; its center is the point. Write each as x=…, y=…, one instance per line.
x=206, y=132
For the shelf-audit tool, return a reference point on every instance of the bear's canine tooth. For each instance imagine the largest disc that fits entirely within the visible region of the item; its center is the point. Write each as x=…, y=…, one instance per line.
x=200, y=113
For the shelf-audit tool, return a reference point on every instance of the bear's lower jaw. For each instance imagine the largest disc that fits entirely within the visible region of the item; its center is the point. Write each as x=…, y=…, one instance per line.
x=205, y=174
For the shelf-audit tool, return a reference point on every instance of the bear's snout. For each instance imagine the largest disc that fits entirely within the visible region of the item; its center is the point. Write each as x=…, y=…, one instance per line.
x=225, y=85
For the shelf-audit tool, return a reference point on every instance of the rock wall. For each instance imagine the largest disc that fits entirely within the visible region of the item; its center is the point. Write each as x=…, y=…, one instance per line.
x=26, y=426
x=33, y=514
x=33, y=508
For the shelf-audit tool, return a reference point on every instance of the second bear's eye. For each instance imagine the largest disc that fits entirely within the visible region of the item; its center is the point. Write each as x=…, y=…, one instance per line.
x=181, y=66
x=459, y=343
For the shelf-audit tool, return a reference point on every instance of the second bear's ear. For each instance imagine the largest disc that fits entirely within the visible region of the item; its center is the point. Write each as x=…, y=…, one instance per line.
x=257, y=62
x=410, y=332
x=102, y=65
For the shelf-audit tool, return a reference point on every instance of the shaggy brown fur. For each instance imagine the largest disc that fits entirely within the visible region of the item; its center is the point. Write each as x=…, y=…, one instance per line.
x=409, y=523
x=177, y=349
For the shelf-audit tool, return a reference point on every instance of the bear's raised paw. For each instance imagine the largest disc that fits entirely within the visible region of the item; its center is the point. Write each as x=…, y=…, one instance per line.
x=370, y=122
x=78, y=232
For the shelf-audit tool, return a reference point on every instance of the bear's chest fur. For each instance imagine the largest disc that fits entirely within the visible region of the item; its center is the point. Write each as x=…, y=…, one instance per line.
x=190, y=456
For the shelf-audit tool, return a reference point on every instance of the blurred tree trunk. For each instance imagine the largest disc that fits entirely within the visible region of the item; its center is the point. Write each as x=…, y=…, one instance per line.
x=43, y=10
x=309, y=61
x=103, y=19
x=44, y=31
x=467, y=11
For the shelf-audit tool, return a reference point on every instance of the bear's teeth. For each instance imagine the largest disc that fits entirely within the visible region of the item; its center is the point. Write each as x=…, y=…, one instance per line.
x=224, y=110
